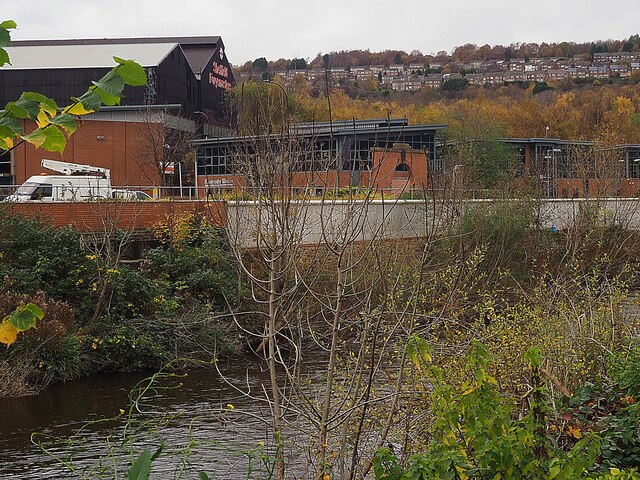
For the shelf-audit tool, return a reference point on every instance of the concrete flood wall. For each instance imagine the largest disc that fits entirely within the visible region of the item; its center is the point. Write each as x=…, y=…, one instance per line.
x=315, y=221
x=312, y=222
x=564, y=213
x=331, y=222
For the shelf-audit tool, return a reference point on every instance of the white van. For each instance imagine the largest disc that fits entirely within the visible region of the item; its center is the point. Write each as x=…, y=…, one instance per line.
x=77, y=184
x=57, y=188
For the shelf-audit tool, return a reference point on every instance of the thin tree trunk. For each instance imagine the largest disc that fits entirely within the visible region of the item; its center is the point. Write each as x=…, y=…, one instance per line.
x=275, y=392
x=326, y=405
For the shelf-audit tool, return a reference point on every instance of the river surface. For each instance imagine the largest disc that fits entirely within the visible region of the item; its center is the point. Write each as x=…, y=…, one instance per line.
x=205, y=425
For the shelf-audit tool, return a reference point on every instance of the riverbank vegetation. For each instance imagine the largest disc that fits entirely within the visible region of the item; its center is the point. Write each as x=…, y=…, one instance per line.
x=104, y=312
x=418, y=345
x=493, y=347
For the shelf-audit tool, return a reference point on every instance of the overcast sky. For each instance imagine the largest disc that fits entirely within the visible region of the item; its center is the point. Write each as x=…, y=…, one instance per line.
x=302, y=28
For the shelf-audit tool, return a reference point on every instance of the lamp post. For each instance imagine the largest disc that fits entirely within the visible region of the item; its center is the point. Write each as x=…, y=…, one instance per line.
x=195, y=153
x=284, y=90
x=286, y=96
x=455, y=175
x=198, y=112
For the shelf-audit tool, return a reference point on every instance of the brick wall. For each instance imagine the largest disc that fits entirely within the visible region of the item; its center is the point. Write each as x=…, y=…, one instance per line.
x=96, y=216
x=115, y=145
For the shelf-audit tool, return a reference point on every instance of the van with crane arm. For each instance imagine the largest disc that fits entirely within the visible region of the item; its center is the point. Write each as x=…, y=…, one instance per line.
x=76, y=184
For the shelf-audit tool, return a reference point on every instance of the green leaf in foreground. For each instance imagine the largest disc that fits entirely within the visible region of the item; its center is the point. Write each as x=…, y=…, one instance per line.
x=131, y=72
x=24, y=318
x=141, y=468
x=66, y=121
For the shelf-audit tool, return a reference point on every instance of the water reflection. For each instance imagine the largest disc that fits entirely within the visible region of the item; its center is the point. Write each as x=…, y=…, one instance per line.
x=200, y=428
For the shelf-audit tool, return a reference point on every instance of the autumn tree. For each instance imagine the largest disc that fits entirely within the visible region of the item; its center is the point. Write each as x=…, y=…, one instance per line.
x=165, y=146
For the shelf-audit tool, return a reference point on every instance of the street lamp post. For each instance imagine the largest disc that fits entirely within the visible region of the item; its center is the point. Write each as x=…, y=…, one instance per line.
x=198, y=112
x=195, y=153
x=455, y=175
x=286, y=96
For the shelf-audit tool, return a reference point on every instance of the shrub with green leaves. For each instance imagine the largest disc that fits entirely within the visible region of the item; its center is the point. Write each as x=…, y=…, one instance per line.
x=129, y=347
x=35, y=256
x=604, y=410
x=624, y=368
x=195, y=265
x=477, y=435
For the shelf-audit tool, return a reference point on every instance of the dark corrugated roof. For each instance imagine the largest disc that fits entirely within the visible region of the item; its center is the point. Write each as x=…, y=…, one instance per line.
x=202, y=40
x=325, y=130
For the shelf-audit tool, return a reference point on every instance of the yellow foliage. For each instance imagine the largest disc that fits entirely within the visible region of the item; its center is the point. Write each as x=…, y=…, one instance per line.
x=570, y=115
x=8, y=333
x=575, y=432
x=77, y=109
x=176, y=229
x=43, y=119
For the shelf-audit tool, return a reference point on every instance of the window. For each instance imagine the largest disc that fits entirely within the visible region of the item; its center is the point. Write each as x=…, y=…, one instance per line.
x=42, y=191
x=5, y=169
x=360, y=155
x=317, y=157
x=213, y=161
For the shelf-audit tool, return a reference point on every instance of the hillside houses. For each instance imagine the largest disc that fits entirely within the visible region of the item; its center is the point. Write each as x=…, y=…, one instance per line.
x=415, y=76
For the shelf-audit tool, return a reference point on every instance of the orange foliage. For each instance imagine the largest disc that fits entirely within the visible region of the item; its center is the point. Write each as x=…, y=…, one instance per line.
x=512, y=111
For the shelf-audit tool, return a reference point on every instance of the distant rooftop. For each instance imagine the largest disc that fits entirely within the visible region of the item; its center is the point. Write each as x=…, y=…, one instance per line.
x=99, y=52
x=203, y=40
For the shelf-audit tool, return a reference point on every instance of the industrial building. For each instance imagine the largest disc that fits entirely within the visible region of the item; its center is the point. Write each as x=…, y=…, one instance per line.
x=187, y=80
x=386, y=155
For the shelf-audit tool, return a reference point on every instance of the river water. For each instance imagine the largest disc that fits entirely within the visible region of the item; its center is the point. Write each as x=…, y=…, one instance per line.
x=205, y=425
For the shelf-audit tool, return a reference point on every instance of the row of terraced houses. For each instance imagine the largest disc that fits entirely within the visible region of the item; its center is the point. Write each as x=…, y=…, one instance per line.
x=415, y=76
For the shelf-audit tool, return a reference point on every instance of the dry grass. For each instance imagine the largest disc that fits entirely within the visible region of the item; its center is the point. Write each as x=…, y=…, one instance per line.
x=13, y=380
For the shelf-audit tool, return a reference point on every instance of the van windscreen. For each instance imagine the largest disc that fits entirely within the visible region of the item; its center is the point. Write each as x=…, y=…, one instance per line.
x=27, y=188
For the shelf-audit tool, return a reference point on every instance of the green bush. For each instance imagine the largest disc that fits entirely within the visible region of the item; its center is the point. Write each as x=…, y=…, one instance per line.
x=477, y=435
x=606, y=411
x=129, y=348
x=624, y=368
x=123, y=292
x=38, y=257
x=540, y=87
x=198, y=266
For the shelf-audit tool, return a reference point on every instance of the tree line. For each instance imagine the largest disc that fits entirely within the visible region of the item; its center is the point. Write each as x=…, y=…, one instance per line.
x=593, y=112
x=465, y=52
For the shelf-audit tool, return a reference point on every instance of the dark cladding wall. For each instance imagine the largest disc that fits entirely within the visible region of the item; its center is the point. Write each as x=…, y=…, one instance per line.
x=174, y=82
x=60, y=84
x=216, y=81
x=171, y=82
